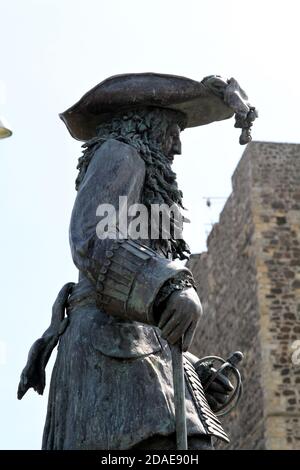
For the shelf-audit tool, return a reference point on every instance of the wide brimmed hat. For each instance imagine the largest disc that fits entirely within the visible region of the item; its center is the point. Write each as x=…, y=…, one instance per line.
x=123, y=92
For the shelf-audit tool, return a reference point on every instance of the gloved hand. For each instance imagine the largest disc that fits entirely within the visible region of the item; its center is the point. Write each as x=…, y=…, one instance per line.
x=180, y=317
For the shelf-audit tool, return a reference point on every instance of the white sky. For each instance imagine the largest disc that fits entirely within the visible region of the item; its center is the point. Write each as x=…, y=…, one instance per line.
x=52, y=52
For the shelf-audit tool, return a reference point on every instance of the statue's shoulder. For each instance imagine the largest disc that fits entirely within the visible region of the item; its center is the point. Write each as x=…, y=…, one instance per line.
x=113, y=151
x=113, y=163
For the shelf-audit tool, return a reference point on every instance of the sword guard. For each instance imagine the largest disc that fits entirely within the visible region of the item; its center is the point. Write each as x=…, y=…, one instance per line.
x=226, y=367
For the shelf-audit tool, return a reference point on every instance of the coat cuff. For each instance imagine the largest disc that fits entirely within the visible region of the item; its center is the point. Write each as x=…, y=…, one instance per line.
x=130, y=279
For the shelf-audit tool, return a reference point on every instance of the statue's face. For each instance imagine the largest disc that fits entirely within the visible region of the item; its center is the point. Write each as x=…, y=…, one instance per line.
x=172, y=144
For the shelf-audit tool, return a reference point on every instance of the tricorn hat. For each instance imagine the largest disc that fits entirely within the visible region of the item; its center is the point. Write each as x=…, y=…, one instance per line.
x=123, y=92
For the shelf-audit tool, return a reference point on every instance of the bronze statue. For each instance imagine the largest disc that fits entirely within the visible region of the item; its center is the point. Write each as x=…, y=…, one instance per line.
x=112, y=383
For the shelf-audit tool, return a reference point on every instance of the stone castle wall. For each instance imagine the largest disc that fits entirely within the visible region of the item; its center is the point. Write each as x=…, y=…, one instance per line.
x=249, y=284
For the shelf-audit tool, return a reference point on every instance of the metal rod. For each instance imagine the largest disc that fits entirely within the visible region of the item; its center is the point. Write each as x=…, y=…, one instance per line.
x=179, y=396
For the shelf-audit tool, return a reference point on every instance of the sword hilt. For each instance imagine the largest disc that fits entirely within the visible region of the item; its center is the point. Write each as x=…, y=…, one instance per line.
x=228, y=366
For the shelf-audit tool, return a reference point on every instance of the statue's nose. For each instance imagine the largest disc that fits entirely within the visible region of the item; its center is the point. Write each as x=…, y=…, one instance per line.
x=177, y=148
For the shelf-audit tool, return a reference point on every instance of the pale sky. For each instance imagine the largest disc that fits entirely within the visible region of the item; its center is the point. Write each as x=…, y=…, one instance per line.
x=52, y=52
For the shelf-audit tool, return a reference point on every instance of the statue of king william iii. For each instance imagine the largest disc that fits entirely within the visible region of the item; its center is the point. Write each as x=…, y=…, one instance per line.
x=112, y=382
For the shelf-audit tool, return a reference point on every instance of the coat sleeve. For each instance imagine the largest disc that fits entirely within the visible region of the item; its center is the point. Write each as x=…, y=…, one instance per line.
x=127, y=275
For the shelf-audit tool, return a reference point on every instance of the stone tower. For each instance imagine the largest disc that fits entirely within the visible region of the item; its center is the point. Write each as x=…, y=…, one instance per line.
x=249, y=284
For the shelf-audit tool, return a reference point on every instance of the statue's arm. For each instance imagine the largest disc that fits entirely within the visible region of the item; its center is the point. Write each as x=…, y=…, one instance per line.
x=127, y=275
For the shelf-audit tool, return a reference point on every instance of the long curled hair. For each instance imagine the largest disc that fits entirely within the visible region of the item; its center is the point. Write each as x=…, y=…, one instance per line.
x=145, y=129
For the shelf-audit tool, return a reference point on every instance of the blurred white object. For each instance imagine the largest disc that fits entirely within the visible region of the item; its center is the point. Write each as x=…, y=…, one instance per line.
x=4, y=129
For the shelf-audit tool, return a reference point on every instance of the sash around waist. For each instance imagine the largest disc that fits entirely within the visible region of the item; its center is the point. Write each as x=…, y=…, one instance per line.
x=110, y=335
